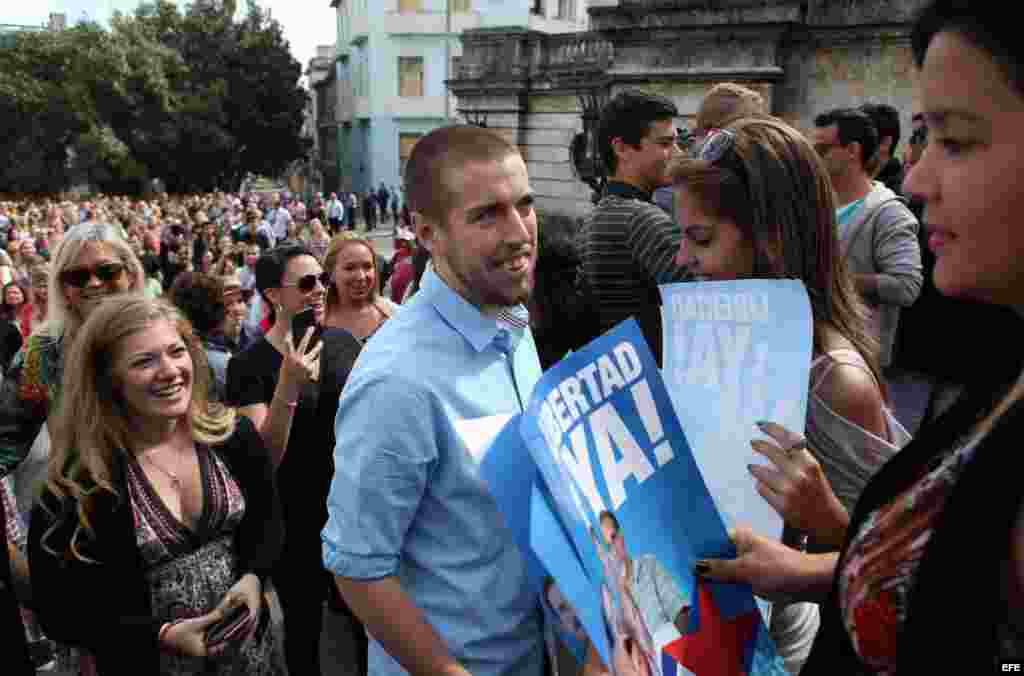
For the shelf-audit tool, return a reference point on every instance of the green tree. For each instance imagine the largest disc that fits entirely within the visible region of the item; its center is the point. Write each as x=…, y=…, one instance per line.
x=195, y=98
x=239, y=107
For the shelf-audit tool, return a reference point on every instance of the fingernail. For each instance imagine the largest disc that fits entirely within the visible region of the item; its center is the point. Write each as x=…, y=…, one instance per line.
x=702, y=567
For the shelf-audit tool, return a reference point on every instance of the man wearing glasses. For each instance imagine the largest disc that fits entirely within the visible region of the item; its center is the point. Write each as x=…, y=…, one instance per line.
x=628, y=244
x=877, y=232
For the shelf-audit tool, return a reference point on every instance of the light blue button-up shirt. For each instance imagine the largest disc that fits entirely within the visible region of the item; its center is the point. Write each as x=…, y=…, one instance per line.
x=406, y=499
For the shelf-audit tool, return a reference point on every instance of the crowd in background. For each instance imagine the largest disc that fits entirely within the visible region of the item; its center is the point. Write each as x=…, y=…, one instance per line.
x=200, y=253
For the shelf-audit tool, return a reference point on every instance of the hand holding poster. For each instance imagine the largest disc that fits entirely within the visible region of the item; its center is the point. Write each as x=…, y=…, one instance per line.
x=616, y=517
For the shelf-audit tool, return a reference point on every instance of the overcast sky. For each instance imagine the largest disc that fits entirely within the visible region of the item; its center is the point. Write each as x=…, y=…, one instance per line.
x=307, y=23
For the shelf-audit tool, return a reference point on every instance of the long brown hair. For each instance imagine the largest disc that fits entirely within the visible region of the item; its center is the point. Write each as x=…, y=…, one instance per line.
x=92, y=424
x=774, y=187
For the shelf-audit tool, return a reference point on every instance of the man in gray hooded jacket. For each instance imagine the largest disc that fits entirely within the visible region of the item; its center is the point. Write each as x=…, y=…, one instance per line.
x=877, y=232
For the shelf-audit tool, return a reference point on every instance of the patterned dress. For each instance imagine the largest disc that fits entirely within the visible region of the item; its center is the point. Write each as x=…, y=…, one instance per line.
x=877, y=575
x=190, y=571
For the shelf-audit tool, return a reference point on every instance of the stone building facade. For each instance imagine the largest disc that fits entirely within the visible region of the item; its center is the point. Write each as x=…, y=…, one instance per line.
x=804, y=57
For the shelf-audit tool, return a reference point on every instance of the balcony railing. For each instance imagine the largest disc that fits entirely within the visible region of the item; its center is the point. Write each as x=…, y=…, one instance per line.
x=489, y=54
x=578, y=52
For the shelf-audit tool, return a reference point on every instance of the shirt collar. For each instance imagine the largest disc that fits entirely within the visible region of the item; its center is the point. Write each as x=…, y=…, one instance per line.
x=627, y=191
x=477, y=328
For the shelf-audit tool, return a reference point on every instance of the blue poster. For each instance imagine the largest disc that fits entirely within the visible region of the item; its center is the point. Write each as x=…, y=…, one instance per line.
x=617, y=514
x=736, y=353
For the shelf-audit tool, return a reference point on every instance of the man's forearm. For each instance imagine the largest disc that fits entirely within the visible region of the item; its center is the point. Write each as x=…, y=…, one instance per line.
x=391, y=617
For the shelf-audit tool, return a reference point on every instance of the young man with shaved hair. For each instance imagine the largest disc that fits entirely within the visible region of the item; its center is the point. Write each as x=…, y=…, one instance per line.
x=414, y=538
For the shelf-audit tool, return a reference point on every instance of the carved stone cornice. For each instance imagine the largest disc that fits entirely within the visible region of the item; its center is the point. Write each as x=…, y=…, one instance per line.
x=858, y=13
x=680, y=40
x=653, y=14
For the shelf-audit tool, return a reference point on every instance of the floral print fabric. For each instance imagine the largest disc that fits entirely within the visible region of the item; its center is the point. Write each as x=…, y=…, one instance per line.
x=190, y=571
x=877, y=575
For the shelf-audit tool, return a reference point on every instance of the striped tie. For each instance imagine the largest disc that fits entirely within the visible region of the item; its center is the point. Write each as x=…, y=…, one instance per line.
x=516, y=316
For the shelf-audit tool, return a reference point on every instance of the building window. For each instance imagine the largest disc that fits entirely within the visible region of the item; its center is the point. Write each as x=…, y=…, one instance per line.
x=410, y=76
x=567, y=10
x=460, y=5
x=405, y=6
x=405, y=144
x=537, y=8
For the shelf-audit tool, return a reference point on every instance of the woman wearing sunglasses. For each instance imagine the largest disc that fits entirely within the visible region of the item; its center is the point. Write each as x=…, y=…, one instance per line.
x=756, y=202
x=92, y=263
x=273, y=382
x=929, y=577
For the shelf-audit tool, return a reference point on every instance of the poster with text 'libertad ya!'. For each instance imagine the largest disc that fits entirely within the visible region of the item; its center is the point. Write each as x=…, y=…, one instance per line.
x=598, y=485
x=736, y=353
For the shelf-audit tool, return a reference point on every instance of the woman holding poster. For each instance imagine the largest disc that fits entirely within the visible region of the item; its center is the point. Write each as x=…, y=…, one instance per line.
x=917, y=530
x=756, y=202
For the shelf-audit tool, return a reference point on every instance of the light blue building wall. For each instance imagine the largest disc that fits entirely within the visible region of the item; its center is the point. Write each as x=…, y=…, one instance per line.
x=373, y=35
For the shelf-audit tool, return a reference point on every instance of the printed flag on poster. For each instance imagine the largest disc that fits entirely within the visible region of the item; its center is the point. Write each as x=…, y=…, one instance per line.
x=600, y=486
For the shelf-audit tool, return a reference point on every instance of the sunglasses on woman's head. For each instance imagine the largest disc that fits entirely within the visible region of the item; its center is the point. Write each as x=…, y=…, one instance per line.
x=105, y=272
x=716, y=144
x=307, y=283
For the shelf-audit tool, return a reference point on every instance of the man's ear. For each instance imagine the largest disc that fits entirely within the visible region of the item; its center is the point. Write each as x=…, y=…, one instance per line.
x=858, y=152
x=619, y=147
x=773, y=252
x=426, y=230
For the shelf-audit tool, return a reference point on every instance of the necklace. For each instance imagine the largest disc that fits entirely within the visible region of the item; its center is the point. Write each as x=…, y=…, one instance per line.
x=173, y=476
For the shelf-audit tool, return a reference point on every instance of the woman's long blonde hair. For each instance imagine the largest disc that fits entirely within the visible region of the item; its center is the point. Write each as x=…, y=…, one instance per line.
x=61, y=320
x=93, y=425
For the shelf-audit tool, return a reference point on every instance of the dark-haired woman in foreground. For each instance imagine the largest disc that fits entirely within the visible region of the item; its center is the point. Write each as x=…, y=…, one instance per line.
x=930, y=577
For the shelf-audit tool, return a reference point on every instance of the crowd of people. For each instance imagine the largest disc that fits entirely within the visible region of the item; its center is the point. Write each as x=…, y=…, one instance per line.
x=230, y=414
x=205, y=264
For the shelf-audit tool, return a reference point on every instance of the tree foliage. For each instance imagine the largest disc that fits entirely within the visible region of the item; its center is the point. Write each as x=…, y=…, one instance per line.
x=195, y=98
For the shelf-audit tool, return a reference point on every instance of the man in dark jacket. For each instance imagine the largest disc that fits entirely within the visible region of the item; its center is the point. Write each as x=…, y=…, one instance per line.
x=383, y=201
x=370, y=210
